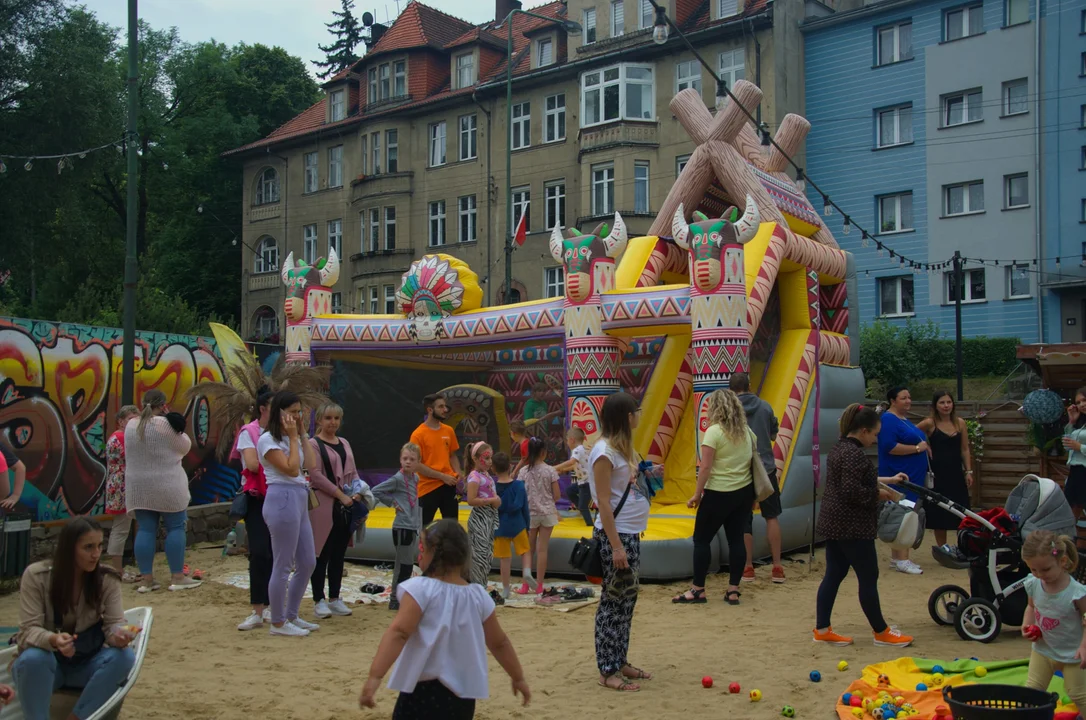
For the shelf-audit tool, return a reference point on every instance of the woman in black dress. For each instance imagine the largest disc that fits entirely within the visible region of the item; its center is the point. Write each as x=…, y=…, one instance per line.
x=950, y=462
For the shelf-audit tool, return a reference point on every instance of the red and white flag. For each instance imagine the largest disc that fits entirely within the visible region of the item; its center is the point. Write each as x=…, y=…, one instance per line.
x=522, y=228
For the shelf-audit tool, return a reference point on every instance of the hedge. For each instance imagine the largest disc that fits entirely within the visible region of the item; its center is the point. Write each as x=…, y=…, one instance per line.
x=896, y=354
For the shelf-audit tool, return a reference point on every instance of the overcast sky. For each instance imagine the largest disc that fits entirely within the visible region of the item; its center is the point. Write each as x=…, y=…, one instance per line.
x=295, y=25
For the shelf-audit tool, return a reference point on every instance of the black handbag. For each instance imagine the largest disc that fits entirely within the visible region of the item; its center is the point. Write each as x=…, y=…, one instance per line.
x=239, y=508
x=87, y=643
x=586, y=555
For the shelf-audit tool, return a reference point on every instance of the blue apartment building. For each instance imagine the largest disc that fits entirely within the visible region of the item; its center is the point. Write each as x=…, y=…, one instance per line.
x=929, y=122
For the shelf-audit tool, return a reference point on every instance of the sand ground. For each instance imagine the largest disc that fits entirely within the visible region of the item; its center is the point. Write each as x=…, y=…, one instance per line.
x=199, y=665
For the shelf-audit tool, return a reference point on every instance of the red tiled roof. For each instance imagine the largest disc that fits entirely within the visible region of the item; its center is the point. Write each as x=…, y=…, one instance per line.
x=420, y=26
x=525, y=24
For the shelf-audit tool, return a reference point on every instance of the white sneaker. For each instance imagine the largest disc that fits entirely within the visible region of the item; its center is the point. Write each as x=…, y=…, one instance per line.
x=250, y=623
x=338, y=607
x=303, y=624
x=288, y=629
x=321, y=610
x=908, y=567
x=266, y=615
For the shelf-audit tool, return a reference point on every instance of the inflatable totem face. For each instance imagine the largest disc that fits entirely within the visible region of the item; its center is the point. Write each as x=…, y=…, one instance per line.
x=581, y=256
x=309, y=293
x=707, y=239
x=432, y=289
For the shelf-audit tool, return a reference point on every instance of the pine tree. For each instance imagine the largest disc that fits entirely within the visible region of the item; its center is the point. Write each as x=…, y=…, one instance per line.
x=348, y=33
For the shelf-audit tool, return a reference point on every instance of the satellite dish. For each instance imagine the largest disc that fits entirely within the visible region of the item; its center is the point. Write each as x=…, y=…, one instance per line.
x=367, y=19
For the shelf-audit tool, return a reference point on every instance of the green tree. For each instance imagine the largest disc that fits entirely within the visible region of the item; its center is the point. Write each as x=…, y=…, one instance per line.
x=348, y=34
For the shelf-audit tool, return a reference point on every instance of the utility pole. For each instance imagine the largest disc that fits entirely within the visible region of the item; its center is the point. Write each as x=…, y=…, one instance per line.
x=958, y=281
x=131, y=269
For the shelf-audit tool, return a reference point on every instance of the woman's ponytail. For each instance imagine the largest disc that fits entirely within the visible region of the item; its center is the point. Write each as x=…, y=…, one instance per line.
x=153, y=401
x=858, y=417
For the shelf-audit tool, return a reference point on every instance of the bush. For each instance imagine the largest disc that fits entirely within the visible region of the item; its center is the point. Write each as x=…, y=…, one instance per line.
x=900, y=354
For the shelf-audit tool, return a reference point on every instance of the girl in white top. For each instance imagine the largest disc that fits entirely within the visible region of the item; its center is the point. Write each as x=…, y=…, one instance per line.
x=612, y=468
x=440, y=636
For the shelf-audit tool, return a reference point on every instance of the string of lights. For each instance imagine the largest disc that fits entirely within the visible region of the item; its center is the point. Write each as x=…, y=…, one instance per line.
x=64, y=160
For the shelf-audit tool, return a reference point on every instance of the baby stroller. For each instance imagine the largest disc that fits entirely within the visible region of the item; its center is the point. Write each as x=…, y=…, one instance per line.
x=990, y=547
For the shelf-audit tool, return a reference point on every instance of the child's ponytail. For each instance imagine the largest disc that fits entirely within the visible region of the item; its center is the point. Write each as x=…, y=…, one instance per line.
x=450, y=547
x=1045, y=542
x=537, y=448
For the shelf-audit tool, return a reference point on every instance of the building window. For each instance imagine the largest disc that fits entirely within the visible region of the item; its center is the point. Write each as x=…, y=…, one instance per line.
x=522, y=197
x=310, y=162
x=554, y=118
x=731, y=66
x=641, y=186
x=1017, y=282
x=362, y=231
x=375, y=230
x=894, y=126
x=1083, y=218
x=337, y=303
x=335, y=100
x=265, y=323
x=386, y=85
x=390, y=228
x=335, y=237
x=374, y=301
x=545, y=52
x=467, y=224
x=554, y=195
x=680, y=163
x=465, y=70
x=399, y=78
x=589, y=26
x=309, y=244
x=375, y=140
x=961, y=108
x=896, y=295
x=896, y=213
x=1082, y=162
x=618, y=19
x=437, y=144
x=895, y=43
x=646, y=16
x=373, y=96
x=1015, y=12
x=727, y=8
x=267, y=187
x=522, y=125
x=390, y=299
x=688, y=75
x=974, y=286
x=363, y=141
x=437, y=223
x=267, y=256
x=1014, y=97
x=1015, y=191
x=554, y=281
x=620, y=92
x=392, y=150
x=963, y=22
x=603, y=189
x=1082, y=119
x=468, y=137
x=335, y=166
x=963, y=198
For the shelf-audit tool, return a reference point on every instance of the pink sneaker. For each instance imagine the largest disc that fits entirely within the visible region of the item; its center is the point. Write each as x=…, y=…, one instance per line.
x=523, y=590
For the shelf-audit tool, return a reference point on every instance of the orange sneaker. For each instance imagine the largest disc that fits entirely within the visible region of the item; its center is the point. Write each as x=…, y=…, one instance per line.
x=890, y=637
x=829, y=637
x=748, y=574
x=778, y=575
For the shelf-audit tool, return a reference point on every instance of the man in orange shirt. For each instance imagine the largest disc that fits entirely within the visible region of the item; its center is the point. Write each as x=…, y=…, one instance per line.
x=439, y=467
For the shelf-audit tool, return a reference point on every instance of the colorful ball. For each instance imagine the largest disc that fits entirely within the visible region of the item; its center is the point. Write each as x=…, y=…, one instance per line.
x=788, y=711
x=878, y=714
x=884, y=680
x=980, y=671
x=842, y=666
x=858, y=693
x=846, y=699
x=856, y=701
x=755, y=695
x=937, y=679
x=816, y=676
x=899, y=701
x=937, y=668
x=707, y=682
x=858, y=713
x=733, y=688
x=921, y=687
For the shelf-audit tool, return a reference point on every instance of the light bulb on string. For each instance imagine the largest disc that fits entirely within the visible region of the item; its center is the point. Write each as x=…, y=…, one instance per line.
x=3, y=167
x=660, y=30
x=901, y=261
x=29, y=166
x=865, y=239
x=801, y=183
x=827, y=209
x=765, y=134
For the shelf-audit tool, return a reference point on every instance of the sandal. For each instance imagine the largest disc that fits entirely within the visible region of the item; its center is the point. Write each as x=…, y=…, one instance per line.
x=571, y=594
x=372, y=589
x=732, y=597
x=639, y=674
x=690, y=597
x=623, y=686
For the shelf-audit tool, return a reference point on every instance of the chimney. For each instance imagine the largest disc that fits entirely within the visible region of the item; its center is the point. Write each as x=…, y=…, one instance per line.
x=376, y=31
x=502, y=8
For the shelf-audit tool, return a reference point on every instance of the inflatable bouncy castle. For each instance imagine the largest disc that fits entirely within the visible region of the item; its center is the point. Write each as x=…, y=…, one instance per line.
x=738, y=273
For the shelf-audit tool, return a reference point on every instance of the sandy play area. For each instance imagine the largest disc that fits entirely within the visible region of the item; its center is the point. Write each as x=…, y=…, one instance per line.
x=200, y=666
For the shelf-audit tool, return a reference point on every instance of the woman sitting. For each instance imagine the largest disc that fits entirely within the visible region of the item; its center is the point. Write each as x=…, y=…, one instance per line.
x=72, y=630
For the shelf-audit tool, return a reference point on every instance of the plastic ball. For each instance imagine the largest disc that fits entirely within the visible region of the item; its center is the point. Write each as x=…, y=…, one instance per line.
x=889, y=714
x=733, y=688
x=877, y=714
x=858, y=693
x=980, y=671
x=707, y=682
x=846, y=699
x=842, y=666
x=755, y=695
x=869, y=705
x=816, y=676
x=858, y=713
x=921, y=687
x=788, y=711
x=937, y=679
x=884, y=680
x=899, y=701
x=856, y=701
x=937, y=669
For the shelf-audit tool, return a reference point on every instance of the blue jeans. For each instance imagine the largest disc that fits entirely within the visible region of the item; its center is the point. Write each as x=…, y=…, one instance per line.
x=147, y=539
x=38, y=675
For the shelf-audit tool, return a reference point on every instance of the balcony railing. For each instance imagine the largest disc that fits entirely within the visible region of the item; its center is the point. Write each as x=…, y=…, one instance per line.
x=264, y=212
x=394, y=100
x=618, y=134
x=381, y=185
x=264, y=281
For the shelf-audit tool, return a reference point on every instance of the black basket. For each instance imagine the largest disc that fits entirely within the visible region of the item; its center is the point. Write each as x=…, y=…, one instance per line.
x=999, y=702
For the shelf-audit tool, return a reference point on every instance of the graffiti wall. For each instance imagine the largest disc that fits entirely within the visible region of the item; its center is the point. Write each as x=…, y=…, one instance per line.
x=60, y=388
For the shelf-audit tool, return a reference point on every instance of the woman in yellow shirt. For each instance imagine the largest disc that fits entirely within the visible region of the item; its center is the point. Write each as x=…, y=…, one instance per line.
x=724, y=495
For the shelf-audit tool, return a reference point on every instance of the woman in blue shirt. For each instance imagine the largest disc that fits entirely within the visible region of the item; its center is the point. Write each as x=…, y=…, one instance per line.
x=903, y=448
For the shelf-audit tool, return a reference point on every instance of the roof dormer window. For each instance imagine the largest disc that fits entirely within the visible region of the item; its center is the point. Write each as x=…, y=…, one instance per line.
x=387, y=81
x=465, y=70
x=545, y=52
x=338, y=108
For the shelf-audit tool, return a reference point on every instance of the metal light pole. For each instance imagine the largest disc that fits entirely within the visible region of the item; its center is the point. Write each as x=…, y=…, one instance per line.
x=572, y=28
x=131, y=269
x=958, y=279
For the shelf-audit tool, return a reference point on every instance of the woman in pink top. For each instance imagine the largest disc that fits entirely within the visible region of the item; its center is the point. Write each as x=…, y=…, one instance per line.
x=255, y=485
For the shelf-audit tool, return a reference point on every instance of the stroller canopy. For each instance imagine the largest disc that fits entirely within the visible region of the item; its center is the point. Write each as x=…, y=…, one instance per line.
x=1040, y=505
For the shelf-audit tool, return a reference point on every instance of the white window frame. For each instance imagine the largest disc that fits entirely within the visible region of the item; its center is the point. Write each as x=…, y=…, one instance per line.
x=467, y=227
x=521, y=130
x=554, y=118
x=337, y=303
x=522, y=200
x=966, y=188
x=899, y=305
x=390, y=227
x=554, y=281
x=1024, y=270
x=967, y=282
x=1016, y=7
x=898, y=201
x=337, y=109
x=266, y=258
x=267, y=324
x=548, y=59
x=335, y=166
x=1008, y=88
x=374, y=301
x=309, y=243
x=311, y=161
x=335, y=236
x=618, y=17
x=362, y=215
x=680, y=164
x=641, y=187
x=363, y=142
x=375, y=142
x=399, y=78
x=390, y=299
x=902, y=118
x=554, y=204
x=465, y=70
x=436, y=234
x=595, y=82
x=968, y=19
x=646, y=15
x=588, y=25
x=688, y=75
x=384, y=77
x=375, y=229
x=392, y=150
x=893, y=34
x=373, y=96
x=732, y=66
x=1008, y=181
x=971, y=101
x=437, y=144
x=469, y=137
x=727, y=8
x=603, y=189
x=267, y=188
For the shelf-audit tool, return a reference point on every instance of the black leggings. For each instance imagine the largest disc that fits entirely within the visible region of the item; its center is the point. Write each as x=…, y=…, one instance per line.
x=581, y=497
x=331, y=558
x=860, y=555
x=403, y=542
x=260, y=552
x=430, y=700
x=443, y=499
x=728, y=510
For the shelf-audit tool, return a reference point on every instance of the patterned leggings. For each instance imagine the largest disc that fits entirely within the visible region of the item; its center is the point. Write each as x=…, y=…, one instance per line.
x=482, y=523
x=614, y=615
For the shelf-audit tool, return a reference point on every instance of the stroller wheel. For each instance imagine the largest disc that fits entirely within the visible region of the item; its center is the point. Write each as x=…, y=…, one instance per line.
x=978, y=619
x=944, y=602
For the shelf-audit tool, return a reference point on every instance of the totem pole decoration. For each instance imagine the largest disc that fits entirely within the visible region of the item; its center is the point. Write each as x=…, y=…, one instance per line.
x=592, y=358
x=309, y=293
x=720, y=338
x=432, y=289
